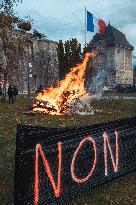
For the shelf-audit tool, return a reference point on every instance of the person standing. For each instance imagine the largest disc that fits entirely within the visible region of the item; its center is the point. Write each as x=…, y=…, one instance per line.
x=0, y=90
x=15, y=91
x=11, y=94
x=39, y=89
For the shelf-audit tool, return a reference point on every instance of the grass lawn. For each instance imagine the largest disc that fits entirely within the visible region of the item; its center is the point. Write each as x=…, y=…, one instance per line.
x=122, y=192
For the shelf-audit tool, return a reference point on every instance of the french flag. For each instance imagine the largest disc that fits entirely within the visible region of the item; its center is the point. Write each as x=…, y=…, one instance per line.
x=93, y=22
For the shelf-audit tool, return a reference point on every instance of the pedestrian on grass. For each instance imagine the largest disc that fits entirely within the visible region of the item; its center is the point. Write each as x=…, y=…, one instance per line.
x=0, y=90
x=15, y=91
x=11, y=94
x=39, y=89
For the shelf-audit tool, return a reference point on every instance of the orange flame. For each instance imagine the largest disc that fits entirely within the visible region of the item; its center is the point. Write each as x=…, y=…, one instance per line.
x=58, y=100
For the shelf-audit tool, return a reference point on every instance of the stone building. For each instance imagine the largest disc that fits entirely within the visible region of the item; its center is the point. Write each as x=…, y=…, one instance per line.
x=114, y=57
x=24, y=55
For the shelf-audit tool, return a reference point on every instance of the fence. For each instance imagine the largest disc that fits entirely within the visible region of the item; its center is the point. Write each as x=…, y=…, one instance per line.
x=54, y=165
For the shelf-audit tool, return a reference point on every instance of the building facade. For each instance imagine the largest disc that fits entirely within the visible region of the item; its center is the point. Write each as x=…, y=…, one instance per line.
x=114, y=57
x=26, y=58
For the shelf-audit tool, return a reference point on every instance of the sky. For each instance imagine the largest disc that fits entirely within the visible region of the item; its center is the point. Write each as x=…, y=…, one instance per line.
x=61, y=19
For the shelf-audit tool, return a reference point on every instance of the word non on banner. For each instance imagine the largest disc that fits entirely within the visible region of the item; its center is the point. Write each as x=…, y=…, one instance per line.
x=54, y=165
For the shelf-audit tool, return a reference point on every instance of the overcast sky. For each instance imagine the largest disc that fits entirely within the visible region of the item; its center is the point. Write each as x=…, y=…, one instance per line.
x=64, y=19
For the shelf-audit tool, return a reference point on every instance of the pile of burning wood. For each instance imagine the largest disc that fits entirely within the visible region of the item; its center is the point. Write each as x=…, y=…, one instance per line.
x=70, y=97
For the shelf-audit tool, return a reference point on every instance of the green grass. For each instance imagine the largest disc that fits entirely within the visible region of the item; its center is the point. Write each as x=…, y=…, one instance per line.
x=122, y=192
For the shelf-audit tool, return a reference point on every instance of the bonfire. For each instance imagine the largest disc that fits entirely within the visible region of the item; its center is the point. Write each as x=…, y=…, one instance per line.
x=69, y=97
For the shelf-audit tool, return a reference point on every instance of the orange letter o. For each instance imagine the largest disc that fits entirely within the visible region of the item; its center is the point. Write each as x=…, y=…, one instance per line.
x=78, y=180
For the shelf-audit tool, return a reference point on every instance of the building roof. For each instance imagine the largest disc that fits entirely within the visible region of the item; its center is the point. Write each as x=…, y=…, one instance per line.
x=113, y=37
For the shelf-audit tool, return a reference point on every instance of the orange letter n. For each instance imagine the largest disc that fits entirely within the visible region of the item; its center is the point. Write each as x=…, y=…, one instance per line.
x=47, y=168
x=106, y=142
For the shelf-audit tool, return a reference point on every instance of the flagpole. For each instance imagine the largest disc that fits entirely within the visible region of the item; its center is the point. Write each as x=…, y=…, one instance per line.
x=85, y=25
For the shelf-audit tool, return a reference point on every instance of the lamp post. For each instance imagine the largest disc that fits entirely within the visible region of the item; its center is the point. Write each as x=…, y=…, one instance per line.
x=29, y=65
x=29, y=75
x=28, y=81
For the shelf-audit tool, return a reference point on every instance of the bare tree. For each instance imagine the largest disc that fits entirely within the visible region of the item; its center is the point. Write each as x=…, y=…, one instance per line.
x=7, y=6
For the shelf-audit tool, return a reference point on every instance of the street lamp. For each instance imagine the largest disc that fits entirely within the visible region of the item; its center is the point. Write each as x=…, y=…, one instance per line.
x=29, y=65
x=29, y=75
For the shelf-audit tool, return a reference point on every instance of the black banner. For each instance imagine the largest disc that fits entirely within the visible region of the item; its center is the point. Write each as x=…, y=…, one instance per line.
x=54, y=165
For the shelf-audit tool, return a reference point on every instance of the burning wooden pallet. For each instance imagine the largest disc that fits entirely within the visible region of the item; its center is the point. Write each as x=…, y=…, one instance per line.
x=67, y=97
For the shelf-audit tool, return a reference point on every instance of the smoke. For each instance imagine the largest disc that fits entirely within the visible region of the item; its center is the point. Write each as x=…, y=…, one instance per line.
x=86, y=99
x=97, y=85
x=82, y=105
x=96, y=88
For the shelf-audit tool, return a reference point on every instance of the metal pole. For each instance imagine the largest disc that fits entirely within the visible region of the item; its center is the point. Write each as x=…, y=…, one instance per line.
x=85, y=25
x=28, y=72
